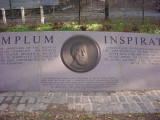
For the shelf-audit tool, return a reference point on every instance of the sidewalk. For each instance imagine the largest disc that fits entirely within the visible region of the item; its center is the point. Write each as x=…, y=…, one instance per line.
x=97, y=102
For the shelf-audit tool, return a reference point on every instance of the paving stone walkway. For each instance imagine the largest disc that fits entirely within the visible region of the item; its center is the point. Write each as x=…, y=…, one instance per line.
x=98, y=102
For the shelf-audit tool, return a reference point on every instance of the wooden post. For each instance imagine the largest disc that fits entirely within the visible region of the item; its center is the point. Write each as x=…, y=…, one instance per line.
x=4, y=16
x=42, y=14
x=22, y=14
x=53, y=10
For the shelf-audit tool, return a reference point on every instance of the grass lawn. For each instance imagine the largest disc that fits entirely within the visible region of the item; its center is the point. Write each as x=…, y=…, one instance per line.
x=65, y=114
x=110, y=26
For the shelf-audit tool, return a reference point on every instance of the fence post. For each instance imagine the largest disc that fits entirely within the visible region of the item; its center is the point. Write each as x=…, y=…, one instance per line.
x=53, y=9
x=42, y=14
x=4, y=16
x=22, y=14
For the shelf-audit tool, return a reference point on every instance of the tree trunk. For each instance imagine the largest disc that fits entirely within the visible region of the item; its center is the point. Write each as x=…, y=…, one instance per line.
x=106, y=10
x=11, y=10
x=142, y=11
x=79, y=12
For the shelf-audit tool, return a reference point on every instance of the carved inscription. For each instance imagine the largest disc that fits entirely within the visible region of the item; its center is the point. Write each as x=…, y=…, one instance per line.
x=141, y=56
x=80, y=82
x=20, y=55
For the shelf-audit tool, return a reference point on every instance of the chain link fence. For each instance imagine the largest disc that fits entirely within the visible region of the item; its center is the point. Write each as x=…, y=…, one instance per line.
x=90, y=10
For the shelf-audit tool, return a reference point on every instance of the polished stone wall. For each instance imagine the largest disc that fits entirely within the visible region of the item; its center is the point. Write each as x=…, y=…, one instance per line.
x=33, y=61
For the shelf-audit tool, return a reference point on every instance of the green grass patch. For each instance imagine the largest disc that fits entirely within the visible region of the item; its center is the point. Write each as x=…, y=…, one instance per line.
x=110, y=26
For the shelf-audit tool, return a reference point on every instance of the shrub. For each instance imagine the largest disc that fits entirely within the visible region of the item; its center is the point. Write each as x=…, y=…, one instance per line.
x=83, y=28
x=157, y=23
x=3, y=28
x=106, y=27
x=32, y=26
x=57, y=25
x=13, y=24
x=131, y=27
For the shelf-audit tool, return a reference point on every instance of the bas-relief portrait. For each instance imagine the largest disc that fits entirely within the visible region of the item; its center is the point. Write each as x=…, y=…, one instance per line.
x=80, y=53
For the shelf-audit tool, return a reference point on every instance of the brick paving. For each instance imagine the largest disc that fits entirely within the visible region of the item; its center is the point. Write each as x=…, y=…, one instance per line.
x=97, y=102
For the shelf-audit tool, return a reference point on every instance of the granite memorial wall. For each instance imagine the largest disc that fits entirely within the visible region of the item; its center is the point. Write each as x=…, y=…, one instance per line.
x=79, y=61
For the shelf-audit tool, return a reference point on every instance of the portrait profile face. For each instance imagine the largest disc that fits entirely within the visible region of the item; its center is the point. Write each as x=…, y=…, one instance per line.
x=79, y=53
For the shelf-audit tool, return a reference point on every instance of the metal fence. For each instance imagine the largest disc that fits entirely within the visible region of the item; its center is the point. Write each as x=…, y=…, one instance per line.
x=89, y=10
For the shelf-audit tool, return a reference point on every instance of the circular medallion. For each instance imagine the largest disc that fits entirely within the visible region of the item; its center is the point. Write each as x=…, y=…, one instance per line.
x=80, y=53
